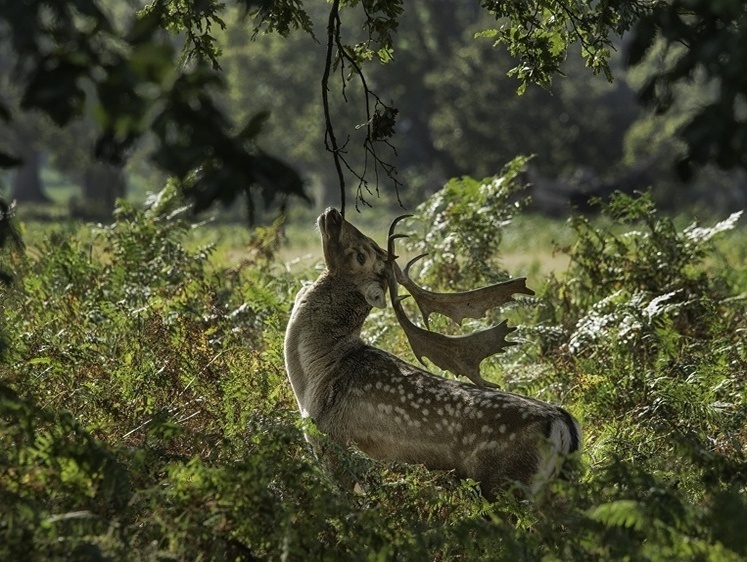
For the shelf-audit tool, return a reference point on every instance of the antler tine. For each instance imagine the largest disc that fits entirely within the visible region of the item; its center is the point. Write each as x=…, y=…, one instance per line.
x=403, y=278
x=396, y=221
x=392, y=236
x=391, y=256
x=406, y=270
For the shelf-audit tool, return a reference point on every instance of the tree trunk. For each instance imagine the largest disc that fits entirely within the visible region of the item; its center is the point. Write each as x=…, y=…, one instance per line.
x=27, y=184
x=103, y=184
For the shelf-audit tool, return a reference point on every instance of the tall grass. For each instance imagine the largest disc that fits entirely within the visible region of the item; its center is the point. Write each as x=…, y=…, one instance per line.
x=145, y=413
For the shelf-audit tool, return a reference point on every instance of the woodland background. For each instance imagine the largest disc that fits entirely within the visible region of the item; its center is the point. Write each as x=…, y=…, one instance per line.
x=144, y=408
x=458, y=109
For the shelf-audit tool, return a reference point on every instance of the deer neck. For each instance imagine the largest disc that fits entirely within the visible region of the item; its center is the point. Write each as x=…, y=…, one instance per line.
x=325, y=325
x=334, y=309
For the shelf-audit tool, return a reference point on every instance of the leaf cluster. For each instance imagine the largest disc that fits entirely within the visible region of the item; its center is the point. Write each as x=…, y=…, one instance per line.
x=655, y=263
x=463, y=224
x=538, y=34
x=117, y=375
x=282, y=17
x=196, y=20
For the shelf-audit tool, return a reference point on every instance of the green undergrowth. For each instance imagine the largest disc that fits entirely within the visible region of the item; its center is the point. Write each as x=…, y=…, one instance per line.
x=145, y=413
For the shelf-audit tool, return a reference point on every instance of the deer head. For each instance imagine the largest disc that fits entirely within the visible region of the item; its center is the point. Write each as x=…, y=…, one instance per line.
x=461, y=355
x=350, y=253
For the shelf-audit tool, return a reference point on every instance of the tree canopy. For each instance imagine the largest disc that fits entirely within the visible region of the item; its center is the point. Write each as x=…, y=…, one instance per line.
x=157, y=72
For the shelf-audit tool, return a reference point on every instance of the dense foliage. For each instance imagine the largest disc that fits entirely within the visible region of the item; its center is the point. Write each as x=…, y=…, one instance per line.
x=145, y=413
x=404, y=95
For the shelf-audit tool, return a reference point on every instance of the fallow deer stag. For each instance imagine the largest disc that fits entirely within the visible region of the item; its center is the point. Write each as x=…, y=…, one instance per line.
x=391, y=410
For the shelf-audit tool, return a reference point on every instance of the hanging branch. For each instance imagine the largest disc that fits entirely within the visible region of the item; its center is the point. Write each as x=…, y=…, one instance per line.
x=379, y=123
x=330, y=141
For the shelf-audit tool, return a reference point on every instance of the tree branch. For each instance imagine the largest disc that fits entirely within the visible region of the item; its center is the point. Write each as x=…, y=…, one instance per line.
x=380, y=118
x=330, y=141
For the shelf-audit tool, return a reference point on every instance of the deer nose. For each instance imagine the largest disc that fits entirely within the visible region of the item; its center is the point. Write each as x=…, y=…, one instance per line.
x=332, y=216
x=330, y=223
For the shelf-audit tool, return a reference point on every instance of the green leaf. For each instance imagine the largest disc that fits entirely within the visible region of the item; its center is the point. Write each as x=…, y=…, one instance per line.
x=487, y=34
x=40, y=361
x=621, y=513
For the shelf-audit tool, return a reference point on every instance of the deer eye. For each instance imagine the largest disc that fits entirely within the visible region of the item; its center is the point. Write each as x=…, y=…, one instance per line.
x=361, y=258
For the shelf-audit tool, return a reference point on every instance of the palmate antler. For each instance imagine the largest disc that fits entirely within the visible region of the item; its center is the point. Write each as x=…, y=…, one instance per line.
x=461, y=355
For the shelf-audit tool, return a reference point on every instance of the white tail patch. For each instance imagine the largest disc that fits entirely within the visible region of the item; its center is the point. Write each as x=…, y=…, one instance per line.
x=564, y=438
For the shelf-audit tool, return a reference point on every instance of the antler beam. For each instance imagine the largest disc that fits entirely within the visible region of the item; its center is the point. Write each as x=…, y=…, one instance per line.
x=461, y=355
x=461, y=305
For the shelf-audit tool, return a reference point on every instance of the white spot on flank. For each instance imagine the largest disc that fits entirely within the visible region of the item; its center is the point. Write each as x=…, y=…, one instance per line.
x=502, y=428
x=384, y=408
x=469, y=439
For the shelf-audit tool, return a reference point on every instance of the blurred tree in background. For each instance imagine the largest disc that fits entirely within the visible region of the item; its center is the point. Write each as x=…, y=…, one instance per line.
x=79, y=61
